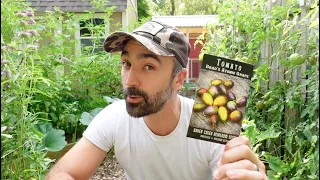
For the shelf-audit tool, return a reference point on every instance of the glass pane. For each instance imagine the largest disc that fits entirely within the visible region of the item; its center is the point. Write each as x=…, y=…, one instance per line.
x=82, y=24
x=85, y=23
x=98, y=32
x=99, y=28
x=89, y=45
x=85, y=32
x=92, y=28
x=98, y=21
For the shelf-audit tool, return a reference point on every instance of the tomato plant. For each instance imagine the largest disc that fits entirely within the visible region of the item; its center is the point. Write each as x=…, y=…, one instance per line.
x=281, y=114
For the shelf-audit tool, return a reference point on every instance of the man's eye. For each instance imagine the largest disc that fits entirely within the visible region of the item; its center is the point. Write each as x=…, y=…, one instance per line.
x=148, y=67
x=125, y=64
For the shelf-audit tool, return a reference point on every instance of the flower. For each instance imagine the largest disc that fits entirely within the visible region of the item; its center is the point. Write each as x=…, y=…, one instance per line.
x=7, y=85
x=3, y=48
x=33, y=47
x=33, y=32
x=21, y=14
x=29, y=13
x=4, y=61
x=24, y=34
x=6, y=72
x=31, y=21
x=23, y=22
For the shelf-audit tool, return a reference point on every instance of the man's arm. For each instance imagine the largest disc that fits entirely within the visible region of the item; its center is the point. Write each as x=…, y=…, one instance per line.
x=80, y=162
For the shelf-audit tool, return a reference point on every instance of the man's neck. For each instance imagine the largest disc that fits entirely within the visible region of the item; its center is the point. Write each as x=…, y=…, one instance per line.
x=165, y=121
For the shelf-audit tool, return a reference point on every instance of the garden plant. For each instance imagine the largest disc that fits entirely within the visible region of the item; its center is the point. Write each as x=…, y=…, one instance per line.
x=47, y=88
x=282, y=118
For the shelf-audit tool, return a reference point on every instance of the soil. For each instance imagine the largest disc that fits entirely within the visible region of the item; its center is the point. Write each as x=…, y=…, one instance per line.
x=109, y=169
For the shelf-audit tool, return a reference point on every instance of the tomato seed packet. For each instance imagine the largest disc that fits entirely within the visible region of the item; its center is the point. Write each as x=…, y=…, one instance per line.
x=220, y=101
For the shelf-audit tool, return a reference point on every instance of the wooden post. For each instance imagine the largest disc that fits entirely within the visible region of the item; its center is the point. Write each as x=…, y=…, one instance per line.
x=304, y=37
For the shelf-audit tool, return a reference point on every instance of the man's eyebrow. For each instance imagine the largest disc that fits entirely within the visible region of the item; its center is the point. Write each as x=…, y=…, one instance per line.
x=149, y=55
x=124, y=53
x=143, y=55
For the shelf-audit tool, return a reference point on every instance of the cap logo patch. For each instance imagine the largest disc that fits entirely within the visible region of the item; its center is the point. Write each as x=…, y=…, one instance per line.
x=150, y=27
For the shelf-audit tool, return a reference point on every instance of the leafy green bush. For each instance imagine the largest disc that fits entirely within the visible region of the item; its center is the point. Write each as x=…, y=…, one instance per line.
x=22, y=152
x=46, y=85
x=79, y=82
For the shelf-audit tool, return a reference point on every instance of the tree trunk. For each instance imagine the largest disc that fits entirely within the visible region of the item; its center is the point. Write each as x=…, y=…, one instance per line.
x=172, y=8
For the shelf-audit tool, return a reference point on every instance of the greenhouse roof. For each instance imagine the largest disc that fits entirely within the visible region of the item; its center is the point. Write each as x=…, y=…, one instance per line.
x=187, y=20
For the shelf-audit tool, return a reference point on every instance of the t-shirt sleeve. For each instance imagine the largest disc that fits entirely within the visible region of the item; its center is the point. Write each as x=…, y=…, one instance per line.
x=101, y=130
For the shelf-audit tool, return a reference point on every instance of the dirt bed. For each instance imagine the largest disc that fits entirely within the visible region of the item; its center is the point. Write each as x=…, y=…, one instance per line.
x=109, y=169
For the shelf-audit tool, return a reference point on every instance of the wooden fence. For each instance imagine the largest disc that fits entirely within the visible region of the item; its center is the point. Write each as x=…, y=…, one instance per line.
x=269, y=48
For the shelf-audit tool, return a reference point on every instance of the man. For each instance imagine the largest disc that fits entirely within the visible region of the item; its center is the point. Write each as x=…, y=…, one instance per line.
x=148, y=128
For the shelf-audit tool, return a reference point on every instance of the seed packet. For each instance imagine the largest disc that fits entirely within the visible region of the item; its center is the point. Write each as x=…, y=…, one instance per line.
x=220, y=101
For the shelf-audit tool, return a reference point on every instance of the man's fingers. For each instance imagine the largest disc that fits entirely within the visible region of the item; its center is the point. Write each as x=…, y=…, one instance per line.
x=262, y=167
x=241, y=140
x=220, y=173
x=244, y=174
x=238, y=161
x=237, y=154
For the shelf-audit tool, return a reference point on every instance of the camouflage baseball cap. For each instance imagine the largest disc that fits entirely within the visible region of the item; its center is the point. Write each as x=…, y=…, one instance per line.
x=161, y=39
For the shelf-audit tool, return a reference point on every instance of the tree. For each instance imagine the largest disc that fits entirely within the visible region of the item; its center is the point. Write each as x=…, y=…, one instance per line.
x=184, y=7
x=205, y=7
x=143, y=10
x=172, y=7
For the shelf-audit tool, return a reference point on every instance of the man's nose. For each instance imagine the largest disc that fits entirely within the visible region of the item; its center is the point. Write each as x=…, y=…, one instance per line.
x=132, y=79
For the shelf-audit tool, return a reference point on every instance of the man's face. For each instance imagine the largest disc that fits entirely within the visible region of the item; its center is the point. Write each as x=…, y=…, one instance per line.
x=146, y=79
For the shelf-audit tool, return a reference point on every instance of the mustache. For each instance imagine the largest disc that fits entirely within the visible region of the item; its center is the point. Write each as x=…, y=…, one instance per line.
x=132, y=91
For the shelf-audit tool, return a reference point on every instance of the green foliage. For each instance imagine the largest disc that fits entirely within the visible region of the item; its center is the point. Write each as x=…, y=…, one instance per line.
x=281, y=115
x=197, y=7
x=184, y=7
x=78, y=81
x=239, y=33
x=86, y=117
x=52, y=139
x=143, y=10
x=46, y=85
x=160, y=7
x=22, y=155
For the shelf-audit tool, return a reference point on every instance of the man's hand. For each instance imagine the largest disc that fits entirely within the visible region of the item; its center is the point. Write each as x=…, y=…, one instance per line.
x=238, y=162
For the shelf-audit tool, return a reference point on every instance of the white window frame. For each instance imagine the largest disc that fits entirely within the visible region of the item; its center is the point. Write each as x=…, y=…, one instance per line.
x=77, y=34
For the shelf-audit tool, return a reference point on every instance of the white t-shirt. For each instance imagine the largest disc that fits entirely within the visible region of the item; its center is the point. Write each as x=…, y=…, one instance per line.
x=144, y=155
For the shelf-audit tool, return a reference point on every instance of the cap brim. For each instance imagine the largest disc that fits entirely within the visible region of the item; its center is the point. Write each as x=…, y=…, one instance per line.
x=115, y=42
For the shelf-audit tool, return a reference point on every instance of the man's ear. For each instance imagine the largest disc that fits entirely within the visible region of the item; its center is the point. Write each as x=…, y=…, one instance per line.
x=179, y=79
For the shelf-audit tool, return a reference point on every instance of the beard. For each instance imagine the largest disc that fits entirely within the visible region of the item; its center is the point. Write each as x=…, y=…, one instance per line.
x=149, y=104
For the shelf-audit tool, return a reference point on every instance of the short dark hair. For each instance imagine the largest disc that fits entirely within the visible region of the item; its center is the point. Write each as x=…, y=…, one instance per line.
x=176, y=68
